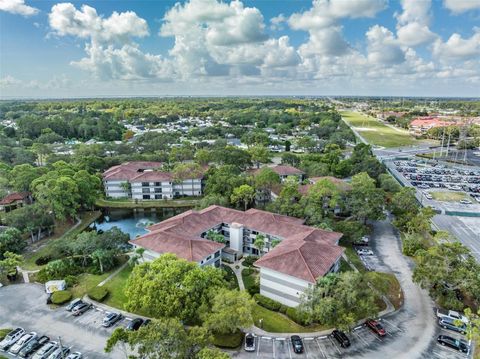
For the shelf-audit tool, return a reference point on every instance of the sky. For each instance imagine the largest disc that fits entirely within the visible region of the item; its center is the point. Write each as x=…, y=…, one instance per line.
x=51, y=49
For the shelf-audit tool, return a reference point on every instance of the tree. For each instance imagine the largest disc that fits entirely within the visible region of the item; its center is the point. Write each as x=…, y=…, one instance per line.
x=388, y=183
x=230, y=310
x=243, y=194
x=222, y=180
x=448, y=268
x=259, y=242
x=203, y=157
x=290, y=159
x=287, y=202
x=11, y=241
x=421, y=223
x=259, y=154
x=339, y=300
x=323, y=196
x=171, y=287
x=21, y=176
x=266, y=178
x=60, y=195
x=404, y=206
x=365, y=201
x=9, y=263
x=30, y=219
x=164, y=338
x=89, y=188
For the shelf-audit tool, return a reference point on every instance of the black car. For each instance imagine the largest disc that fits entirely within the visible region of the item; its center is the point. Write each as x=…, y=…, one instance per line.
x=111, y=318
x=341, y=338
x=33, y=346
x=453, y=343
x=297, y=344
x=134, y=324
x=81, y=308
x=146, y=322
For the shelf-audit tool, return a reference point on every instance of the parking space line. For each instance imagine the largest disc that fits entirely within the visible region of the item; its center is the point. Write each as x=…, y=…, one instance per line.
x=289, y=352
x=391, y=324
x=359, y=337
x=335, y=345
x=305, y=347
x=273, y=348
x=258, y=347
x=320, y=348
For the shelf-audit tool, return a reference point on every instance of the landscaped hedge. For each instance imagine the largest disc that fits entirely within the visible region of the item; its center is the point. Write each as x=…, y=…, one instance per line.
x=249, y=260
x=98, y=293
x=61, y=297
x=297, y=316
x=230, y=341
x=267, y=302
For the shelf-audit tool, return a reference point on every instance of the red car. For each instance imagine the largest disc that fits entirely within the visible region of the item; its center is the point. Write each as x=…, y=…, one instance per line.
x=376, y=327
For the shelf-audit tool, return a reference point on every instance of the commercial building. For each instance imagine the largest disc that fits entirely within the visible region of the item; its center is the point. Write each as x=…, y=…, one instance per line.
x=145, y=180
x=293, y=256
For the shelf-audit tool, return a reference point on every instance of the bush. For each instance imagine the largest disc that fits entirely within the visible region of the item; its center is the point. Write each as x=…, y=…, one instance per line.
x=411, y=244
x=450, y=301
x=98, y=293
x=267, y=302
x=61, y=296
x=250, y=282
x=42, y=276
x=249, y=260
x=297, y=316
x=283, y=309
x=71, y=280
x=230, y=341
x=40, y=261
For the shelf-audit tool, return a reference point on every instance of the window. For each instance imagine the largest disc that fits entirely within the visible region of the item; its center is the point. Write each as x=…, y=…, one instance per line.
x=158, y=190
x=158, y=184
x=254, y=232
x=217, y=254
x=145, y=190
x=209, y=257
x=146, y=196
x=145, y=184
x=158, y=196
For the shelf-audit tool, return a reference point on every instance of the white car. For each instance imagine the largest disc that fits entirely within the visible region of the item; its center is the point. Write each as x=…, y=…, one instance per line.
x=428, y=195
x=365, y=252
x=45, y=351
x=465, y=201
x=75, y=355
x=250, y=342
x=24, y=340
x=11, y=338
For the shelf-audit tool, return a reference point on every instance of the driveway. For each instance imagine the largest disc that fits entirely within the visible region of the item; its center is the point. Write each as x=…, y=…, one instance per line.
x=23, y=305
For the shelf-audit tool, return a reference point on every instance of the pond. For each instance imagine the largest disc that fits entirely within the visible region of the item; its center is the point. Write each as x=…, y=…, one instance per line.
x=133, y=221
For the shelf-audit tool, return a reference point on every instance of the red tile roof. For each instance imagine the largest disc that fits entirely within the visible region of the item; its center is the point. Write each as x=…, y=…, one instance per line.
x=430, y=122
x=152, y=176
x=13, y=197
x=312, y=251
x=129, y=170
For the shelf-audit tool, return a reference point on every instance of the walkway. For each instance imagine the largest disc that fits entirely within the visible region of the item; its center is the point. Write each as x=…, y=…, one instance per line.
x=238, y=272
x=113, y=274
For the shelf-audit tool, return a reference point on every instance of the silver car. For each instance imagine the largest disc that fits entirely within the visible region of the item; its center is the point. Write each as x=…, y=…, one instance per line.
x=11, y=338
x=23, y=341
x=45, y=351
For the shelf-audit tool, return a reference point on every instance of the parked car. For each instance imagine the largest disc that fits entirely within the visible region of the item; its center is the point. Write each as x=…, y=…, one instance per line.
x=376, y=327
x=11, y=338
x=59, y=353
x=249, y=342
x=365, y=252
x=465, y=201
x=81, y=308
x=449, y=323
x=297, y=344
x=45, y=350
x=33, y=346
x=452, y=314
x=73, y=304
x=428, y=195
x=75, y=355
x=362, y=241
x=453, y=343
x=341, y=338
x=146, y=322
x=111, y=318
x=134, y=324
x=20, y=343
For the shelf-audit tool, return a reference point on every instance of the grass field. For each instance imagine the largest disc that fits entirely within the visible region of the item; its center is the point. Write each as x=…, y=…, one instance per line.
x=126, y=203
x=115, y=286
x=377, y=133
x=446, y=196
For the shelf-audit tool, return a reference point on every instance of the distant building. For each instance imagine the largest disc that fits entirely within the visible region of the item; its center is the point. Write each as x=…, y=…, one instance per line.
x=421, y=125
x=14, y=201
x=303, y=254
x=285, y=171
x=144, y=180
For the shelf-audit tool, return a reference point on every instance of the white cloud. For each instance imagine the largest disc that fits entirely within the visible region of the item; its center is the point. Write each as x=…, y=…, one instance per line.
x=383, y=48
x=276, y=22
x=458, y=48
x=65, y=19
x=17, y=7
x=459, y=6
x=414, y=34
x=413, y=21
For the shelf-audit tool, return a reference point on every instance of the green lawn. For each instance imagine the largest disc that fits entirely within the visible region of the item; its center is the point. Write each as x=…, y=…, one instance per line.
x=115, y=286
x=446, y=196
x=388, y=285
x=61, y=230
x=377, y=133
x=126, y=203
x=278, y=323
x=86, y=282
x=354, y=258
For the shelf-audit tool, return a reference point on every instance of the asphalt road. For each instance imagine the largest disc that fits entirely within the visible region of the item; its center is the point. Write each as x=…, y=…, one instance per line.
x=23, y=305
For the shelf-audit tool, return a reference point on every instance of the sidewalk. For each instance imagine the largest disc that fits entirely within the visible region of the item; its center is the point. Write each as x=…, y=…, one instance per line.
x=238, y=272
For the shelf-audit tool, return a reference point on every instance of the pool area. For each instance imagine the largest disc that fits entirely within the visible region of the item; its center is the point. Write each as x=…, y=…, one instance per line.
x=133, y=221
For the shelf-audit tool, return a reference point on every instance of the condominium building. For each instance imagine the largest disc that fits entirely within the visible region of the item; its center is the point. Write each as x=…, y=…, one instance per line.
x=293, y=255
x=144, y=180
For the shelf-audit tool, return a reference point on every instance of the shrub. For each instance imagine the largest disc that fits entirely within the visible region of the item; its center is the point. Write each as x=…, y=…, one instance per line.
x=411, y=245
x=98, y=293
x=283, y=309
x=250, y=282
x=249, y=260
x=40, y=261
x=61, y=296
x=42, y=276
x=297, y=316
x=71, y=280
x=230, y=341
x=267, y=302
x=450, y=301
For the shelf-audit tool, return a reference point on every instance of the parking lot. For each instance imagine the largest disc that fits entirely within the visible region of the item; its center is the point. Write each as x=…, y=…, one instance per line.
x=24, y=305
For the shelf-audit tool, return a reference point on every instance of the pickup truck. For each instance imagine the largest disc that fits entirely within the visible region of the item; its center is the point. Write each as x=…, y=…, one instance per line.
x=451, y=314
